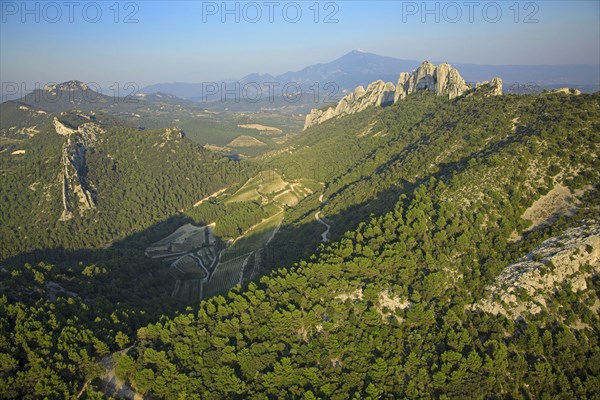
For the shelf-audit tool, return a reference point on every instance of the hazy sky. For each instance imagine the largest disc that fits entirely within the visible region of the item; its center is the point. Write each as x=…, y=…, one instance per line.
x=188, y=40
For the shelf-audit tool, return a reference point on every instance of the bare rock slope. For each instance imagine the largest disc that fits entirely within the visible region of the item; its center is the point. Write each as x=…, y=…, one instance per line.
x=78, y=194
x=525, y=286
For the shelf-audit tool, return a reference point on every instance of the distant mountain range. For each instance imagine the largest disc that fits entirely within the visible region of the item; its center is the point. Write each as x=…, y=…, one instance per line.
x=296, y=93
x=360, y=68
x=347, y=72
x=27, y=114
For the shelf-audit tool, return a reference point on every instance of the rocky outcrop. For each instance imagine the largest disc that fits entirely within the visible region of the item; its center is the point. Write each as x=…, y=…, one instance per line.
x=442, y=80
x=401, y=86
x=496, y=87
x=566, y=90
x=377, y=93
x=62, y=129
x=78, y=194
x=491, y=88
x=525, y=286
x=173, y=133
x=67, y=86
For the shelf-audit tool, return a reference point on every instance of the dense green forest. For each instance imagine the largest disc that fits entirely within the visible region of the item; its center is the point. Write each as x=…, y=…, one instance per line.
x=387, y=152
x=426, y=201
x=234, y=218
x=325, y=328
x=141, y=178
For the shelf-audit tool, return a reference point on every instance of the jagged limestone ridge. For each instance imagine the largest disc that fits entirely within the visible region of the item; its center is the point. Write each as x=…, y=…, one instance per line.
x=78, y=195
x=442, y=80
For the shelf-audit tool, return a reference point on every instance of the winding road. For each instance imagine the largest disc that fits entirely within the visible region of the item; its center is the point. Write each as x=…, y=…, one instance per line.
x=324, y=235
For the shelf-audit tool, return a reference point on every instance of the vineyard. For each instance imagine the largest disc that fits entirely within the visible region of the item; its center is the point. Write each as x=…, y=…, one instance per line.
x=207, y=255
x=190, y=268
x=203, y=268
x=189, y=290
x=270, y=187
x=183, y=240
x=227, y=275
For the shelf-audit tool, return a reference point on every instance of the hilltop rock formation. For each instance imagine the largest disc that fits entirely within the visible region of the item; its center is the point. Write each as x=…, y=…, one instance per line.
x=71, y=86
x=62, y=129
x=442, y=80
x=565, y=90
x=378, y=93
x=173, y=134
x=493, y=87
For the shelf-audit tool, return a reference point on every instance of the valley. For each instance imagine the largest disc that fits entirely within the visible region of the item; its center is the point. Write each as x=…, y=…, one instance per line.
x=234, y=257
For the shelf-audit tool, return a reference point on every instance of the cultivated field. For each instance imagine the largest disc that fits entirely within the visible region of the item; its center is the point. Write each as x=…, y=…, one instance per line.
x=183, y=240
x=234, y=260
x=271, y=187
x=204, y=269
x=245, y=141
x=226, y=276
x=266, y=130
x=190, y=267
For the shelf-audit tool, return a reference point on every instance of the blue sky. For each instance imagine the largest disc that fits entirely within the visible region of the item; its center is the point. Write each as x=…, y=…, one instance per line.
x=187, y=41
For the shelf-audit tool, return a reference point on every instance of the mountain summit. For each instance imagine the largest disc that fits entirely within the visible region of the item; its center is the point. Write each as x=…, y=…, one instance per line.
x=69, y=85
x=66, y=96
x=352, y=69
x=358, y=67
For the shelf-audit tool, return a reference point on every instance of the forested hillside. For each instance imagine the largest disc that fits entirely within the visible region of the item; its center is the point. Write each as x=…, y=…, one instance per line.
x=395, y=308
x=430, y=202
x=388, y=152
x=137, y=178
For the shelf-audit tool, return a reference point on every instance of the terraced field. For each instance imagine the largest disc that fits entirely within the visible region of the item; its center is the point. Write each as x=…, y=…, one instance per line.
x=254, y=239
x=193, y=276
x=190, y=267
x=241, y=260
x=263, y=129
x=207, y=256
x=183, y=240
x=248, y=192
x=189, y=290
x=205, y=269
x=245, y=141
x=234, y=260
x=287, y=197
x=271, y=187
x=227, y=275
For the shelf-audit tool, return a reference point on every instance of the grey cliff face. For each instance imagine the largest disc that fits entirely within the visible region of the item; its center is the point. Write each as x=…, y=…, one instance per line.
x=78, y=194
x=442, y=80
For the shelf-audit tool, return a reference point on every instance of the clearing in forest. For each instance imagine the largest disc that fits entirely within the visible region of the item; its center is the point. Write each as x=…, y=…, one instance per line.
x=245, y=141
x=267, y=130
x=558, y=201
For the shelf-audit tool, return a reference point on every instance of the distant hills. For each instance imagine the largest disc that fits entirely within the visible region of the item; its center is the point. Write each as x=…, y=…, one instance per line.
x=65, y=96
x=343, y=74
x=76, y=94
x=324, y=83
x=360, y=68
x=34, y=113
x=353, y=69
